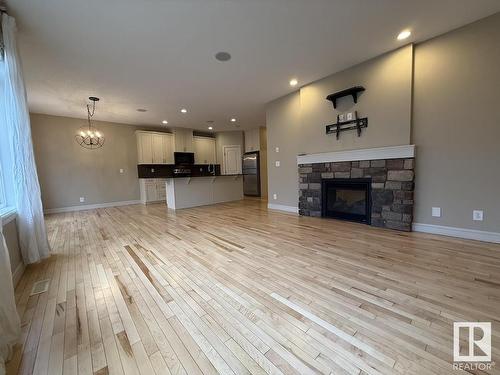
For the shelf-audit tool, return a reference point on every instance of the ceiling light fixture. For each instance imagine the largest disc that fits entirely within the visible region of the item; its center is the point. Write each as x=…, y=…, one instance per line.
x=165, y=122
x=223, y=56
x=404, y=34
x=89, y=136
x=210, y=128
x=233, y=120
x=184, y=110
x=293, y=82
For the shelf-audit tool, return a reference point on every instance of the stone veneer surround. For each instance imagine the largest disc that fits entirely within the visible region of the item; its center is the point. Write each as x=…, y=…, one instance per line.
x=392, y=188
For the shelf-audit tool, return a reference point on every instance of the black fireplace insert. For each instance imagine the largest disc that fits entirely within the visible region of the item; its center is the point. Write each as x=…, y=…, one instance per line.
x=346, y=199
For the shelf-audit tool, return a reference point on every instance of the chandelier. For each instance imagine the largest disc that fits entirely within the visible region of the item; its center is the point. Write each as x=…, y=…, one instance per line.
x=88, y=136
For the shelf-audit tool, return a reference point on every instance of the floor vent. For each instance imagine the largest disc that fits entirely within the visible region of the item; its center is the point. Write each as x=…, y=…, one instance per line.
x=40, y=287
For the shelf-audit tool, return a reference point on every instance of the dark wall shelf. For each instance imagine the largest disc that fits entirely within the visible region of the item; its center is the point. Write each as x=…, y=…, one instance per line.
x=353, y=91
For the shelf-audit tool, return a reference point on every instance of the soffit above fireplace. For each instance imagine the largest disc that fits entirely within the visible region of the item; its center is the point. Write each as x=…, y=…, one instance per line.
x=392, y=152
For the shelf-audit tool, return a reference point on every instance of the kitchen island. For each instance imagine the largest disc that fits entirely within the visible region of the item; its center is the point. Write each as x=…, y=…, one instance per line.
x=185, y=192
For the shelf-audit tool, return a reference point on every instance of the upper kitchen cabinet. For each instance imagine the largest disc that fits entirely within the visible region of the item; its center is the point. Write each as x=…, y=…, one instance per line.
x=183, y=140
x=204, y=150
x=155, y=147
x=252, y=140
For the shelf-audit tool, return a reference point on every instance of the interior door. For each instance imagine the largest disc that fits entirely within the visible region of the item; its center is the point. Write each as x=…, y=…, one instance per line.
x=232, y=160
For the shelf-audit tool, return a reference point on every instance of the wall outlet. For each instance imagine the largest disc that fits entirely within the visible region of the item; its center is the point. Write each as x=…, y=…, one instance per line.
x=277, y=163
x=277, y=149
x=349, y=116
x=342, y=117
x=275, y=196
x=82, y=199
x=436, y=211
x=152, y=170
x=121, y=171
x=477, y=215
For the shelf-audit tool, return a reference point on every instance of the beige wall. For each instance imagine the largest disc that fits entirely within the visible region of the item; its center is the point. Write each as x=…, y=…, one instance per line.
x=67, y=171
x=296, y=123
x=449, y=110
x=228, y=138
x=456, y=126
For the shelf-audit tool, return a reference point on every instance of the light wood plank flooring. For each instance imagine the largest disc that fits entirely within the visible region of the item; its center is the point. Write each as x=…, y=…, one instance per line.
x=237, y=289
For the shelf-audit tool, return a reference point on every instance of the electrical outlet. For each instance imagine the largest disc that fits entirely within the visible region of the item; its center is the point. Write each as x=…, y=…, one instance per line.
x=277, y=163
x=436, y=211
x=82, y=199
x=275, y=196
x=152, y=170
x=349, y=116
x=342, y=117
x=477, y=215
x=121, y=170
x=277, y=149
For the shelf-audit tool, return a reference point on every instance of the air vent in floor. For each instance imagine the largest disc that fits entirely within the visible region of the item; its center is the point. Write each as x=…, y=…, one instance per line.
x=40, y=287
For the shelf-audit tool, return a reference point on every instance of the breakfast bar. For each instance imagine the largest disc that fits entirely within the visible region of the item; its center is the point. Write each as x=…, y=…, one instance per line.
x=185, y=192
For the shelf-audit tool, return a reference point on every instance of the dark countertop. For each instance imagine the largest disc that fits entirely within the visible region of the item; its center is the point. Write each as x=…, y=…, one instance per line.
x=167, y=170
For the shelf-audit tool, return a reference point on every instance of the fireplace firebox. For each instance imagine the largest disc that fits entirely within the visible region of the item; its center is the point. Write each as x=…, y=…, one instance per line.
x=347, y=199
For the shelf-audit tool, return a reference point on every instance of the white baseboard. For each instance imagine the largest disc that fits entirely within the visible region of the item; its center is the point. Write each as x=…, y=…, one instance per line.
x=281, y=207
x=90, y=207
x=18, y=273
x=470, y=234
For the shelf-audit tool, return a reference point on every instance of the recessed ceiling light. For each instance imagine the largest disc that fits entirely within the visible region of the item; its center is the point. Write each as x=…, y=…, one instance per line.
x=233, y=120
x=293, y=82
x=404, y=34
x=141, y=110
x=184, y=110
x=164, y=122
x=223, y=56
x=210, y=128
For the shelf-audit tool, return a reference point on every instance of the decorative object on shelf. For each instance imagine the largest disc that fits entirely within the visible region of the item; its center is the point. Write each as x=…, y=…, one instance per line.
x=353, y=91
x=340, y=126
x=89, y=136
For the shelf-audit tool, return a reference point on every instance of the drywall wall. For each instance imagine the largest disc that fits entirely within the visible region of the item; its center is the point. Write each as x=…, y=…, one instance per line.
x=456, y=126
x=67, y=171
x=296, y=123
x=228, y=138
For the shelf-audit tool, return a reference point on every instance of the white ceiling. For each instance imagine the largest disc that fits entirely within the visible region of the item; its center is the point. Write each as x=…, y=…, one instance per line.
x=159, y=54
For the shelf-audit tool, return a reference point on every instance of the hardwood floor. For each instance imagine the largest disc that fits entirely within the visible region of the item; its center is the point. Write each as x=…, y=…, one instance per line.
x=234, y=288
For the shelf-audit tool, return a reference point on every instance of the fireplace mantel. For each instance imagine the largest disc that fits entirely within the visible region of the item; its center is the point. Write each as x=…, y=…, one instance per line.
x=392, y=152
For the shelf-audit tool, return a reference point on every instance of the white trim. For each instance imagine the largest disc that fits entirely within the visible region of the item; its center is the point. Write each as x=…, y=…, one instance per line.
x=7, y=214
x=281, y=207
x=90, y=207
x=392, y=152
x=18, y=273
x=471, y=234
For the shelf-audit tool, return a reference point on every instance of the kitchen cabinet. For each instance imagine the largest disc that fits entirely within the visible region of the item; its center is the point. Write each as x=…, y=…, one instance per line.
x=204, y=150
x=252, y=140
x=155, y=147
x=183, y=140
x=153, y=190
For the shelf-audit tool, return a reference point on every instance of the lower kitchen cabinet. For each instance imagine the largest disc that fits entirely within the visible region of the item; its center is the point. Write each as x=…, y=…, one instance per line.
x=153, y=190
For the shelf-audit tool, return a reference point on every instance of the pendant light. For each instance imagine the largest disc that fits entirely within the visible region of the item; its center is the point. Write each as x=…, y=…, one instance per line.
x=89, y=136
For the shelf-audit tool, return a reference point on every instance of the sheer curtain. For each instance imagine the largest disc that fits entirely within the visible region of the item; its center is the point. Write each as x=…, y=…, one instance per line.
x=27, y=196
x=9, y=320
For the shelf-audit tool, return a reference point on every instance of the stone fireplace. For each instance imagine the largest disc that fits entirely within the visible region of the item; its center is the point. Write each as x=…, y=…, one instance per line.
x=376, y=191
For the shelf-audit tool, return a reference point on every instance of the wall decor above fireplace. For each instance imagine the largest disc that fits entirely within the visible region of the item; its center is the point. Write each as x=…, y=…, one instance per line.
x=353, y=91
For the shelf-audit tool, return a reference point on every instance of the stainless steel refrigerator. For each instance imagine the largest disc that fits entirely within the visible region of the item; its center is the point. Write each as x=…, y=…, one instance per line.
x=251, y=174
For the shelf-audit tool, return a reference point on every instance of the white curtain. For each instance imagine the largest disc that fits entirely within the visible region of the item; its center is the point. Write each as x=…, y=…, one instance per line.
x=27, y=196
x=9, y=320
